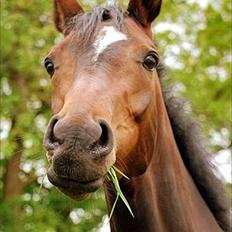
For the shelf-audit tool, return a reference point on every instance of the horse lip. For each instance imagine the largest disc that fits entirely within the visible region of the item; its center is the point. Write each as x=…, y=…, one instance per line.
x=70, y=184
x=106, y=150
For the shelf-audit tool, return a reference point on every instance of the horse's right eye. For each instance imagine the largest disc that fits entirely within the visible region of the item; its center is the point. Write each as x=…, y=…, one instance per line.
x=49, y=65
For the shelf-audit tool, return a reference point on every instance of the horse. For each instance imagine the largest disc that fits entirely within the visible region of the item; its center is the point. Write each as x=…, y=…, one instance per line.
x=109, y=107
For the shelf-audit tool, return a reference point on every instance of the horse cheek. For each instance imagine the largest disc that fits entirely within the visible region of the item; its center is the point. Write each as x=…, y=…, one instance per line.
x=139, y=103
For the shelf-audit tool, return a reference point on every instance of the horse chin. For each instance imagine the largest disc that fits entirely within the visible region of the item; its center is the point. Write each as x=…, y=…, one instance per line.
x=75, y=189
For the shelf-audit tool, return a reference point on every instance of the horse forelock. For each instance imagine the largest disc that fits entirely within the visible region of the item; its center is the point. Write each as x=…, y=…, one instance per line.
x=85, y=25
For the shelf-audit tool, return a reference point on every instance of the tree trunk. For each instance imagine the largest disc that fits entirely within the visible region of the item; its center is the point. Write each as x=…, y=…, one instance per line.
x=13, y=186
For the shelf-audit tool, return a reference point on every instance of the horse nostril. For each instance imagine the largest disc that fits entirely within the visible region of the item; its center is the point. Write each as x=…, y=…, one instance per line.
x=103, y=140
x=50, y=140
x=104, y=144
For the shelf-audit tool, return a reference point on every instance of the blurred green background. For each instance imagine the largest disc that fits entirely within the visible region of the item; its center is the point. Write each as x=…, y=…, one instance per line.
x=194, y=38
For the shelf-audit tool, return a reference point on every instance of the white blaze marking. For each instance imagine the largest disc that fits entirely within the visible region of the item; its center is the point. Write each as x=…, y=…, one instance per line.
x=106, y=37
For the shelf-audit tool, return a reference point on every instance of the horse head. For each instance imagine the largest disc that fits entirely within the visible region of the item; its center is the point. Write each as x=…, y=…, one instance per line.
x=104, y=81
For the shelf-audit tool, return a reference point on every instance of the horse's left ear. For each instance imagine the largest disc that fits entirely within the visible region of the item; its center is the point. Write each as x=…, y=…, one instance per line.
x=144, y=11
x=64, y=10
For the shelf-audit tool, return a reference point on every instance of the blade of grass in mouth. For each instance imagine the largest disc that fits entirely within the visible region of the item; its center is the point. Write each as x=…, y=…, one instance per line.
x=114, y=179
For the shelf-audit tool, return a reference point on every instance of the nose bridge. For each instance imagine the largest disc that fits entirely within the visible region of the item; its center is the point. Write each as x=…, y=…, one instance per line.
x=89, y=97
x=80, y=133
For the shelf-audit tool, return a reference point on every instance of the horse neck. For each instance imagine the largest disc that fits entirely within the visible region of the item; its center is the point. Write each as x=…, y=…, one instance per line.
x=165, y=197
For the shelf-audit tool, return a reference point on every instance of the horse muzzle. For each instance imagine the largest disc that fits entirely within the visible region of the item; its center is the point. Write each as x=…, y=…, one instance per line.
x=80, y=154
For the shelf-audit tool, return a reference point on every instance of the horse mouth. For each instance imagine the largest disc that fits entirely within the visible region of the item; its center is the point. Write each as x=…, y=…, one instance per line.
x=72, y=187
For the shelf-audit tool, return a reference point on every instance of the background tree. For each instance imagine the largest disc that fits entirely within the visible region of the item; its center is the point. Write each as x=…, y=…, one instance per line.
x=195, y=42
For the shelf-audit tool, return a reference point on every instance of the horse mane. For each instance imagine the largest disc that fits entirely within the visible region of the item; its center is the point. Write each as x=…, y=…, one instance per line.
x=186, y=130
x=195, y=156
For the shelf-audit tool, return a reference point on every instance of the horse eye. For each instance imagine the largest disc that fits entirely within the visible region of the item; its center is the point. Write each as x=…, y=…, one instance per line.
x=150, y=62
x=48, y=64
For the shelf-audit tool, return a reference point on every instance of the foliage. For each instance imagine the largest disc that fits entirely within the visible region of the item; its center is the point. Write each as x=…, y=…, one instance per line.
x=51, y=211
x=195, y=43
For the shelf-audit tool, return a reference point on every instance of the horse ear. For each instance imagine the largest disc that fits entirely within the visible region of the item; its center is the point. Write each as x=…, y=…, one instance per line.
x=144, y=11
x=64, y=10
